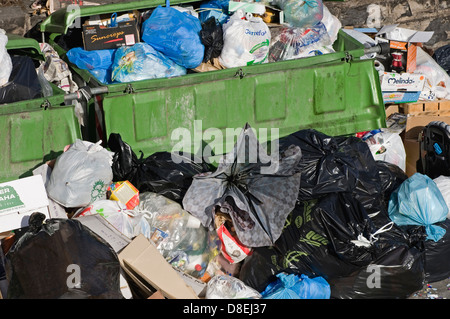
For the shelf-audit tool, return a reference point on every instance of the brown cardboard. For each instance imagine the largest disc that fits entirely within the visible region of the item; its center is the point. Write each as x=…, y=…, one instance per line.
x=142, y=259
x=412, y=155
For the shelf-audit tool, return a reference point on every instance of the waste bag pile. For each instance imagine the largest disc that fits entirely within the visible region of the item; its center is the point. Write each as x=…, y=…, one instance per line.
x=320, y=219
x=174, y=40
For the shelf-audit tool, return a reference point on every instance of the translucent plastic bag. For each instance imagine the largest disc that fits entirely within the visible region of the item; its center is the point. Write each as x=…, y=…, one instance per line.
x=246, y=41
x=301, y=14
x=175, y=34
x=418, y=201
x=292, y=43
x=443, y=183
x=386, y=146
x=179, y=236
x=81, y=175
x=5, y=59
x=141, y=62
x=293, y=286
x=128, y=222
x=228, y=287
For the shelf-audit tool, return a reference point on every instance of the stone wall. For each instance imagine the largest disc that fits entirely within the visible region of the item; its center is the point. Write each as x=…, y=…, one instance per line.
x=17, y=16
x=423, y=15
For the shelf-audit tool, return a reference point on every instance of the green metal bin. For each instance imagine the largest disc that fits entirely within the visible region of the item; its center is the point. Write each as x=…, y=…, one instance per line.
x=33, y=131
x=336, y=93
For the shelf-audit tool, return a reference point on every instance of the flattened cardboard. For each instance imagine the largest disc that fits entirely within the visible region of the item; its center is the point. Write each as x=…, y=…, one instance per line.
x=19, y=199
x=142, y=259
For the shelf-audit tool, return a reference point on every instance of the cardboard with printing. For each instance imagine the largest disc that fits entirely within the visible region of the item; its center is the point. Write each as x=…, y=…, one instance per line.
x=111, y=36
x=142, y=261
x=404, y=42
x=19, y=199
x=410, y=82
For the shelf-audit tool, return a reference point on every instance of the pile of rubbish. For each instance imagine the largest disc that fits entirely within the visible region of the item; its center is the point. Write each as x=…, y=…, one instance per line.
x=324, y=220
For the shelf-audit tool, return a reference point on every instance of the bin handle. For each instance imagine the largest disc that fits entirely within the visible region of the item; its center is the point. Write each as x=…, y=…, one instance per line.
x=86, y=93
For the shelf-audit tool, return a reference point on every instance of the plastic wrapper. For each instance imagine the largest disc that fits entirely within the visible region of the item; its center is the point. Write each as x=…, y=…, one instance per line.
x=301, y=14
x=228, y=287
x=246, y=40
x=167, y=174
x=5, y=59
x=386, y=146
x=290, y=43
x=62, y=259
x=418, y=201
x=23, y=82
x=176, y=35
x=81, y=175
x=141, y=62
x=179, y=236
x=292, y=286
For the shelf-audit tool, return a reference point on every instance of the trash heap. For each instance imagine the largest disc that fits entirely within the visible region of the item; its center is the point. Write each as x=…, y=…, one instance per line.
x=321, y=218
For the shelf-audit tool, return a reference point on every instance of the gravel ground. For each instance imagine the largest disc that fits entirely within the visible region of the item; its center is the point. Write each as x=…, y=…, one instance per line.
x=434, y=290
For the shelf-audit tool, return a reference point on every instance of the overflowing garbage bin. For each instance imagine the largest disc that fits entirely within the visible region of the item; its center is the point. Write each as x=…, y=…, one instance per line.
x=337, y=93
x=36, y=122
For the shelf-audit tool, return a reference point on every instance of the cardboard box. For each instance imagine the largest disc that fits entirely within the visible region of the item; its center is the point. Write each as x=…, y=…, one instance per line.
x=19, y=199
x=99, y=36
x=403, y=42
x=397, y=97
x=410, y=82
x=414, y=126
x=430, y=108
x=142, y=261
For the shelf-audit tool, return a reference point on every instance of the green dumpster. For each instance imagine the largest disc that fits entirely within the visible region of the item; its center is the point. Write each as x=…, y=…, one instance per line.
x=336, y=93
x=33, y=131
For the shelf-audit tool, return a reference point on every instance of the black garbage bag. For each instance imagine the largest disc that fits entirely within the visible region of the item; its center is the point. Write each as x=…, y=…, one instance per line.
x=320, y=238
x=334, y=238
x=257, y=191
x=343, y=164
x=442, y=57
x=61, y=259
x=211, y=36
x=437, y=255
x=158, y=173
x=23, y=82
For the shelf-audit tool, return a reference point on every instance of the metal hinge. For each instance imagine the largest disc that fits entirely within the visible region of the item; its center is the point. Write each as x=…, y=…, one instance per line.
x=240, y=73
x=129, y=89
x=348, y=57
x=46, y=104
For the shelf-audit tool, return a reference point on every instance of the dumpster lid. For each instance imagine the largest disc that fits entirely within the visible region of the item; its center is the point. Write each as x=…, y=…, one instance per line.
x=19, y=43
x=60, y=20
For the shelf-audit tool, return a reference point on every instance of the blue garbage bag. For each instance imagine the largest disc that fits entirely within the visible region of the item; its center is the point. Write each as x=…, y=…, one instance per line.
x=88, y=60
x=292, y=286
x=97, y=62
x=214, y=8
x=418, y=201
x=141, y=62
x=175, y=34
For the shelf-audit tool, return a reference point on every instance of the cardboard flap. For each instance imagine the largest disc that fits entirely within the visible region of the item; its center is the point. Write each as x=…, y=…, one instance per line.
x=143, y=258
